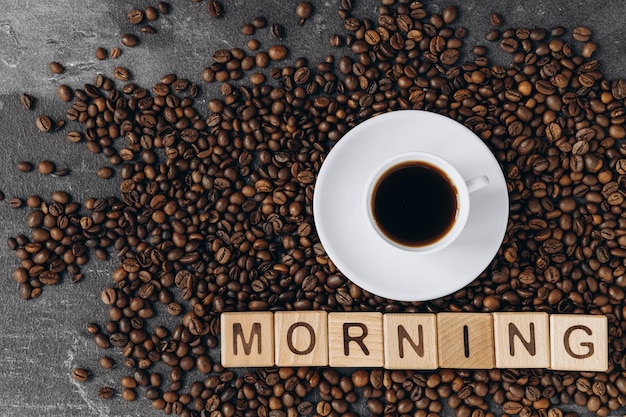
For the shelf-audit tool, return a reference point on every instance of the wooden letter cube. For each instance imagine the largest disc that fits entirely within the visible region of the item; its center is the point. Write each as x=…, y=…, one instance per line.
x=522, y=340
x=247, y=339
x=465, y=340
x=579, y=343
x=301, y=338
x=355, y=339
x=410, y=341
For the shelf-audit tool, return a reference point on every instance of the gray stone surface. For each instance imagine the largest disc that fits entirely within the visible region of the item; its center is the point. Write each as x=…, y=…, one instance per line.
x=42, y=340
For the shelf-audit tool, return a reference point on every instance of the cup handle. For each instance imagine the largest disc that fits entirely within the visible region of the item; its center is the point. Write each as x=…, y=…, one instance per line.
x=477, y=183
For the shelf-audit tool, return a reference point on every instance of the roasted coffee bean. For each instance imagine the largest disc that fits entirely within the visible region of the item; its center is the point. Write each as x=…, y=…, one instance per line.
x=163, y=7
x=248, y=29
x=15, y=202
x=509, y=45
x=129, y=394
x=135, y=16
x=62, y=172
x=252, y=45
x=44, y=123
x=148, y=29
x=80, y=374
x=45, y=167
x=582, y=34
x=65, y=93
x=151, y=13
x=105, y=393
x=495, y=19
x=277, y=31
x=492, y=35
x=26, y=101
x=449, y=14
x=105, y=172
x=106, y=362
x=277, y=52
x=101, y=53
x=108, y=296
x=56, y=68
x=214, y=8
x=304, y=9
x=129, y=40
x=259, y=22
x=24, y=166
x=121, y=73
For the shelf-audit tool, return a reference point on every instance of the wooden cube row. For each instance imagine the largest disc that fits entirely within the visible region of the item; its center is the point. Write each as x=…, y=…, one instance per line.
x=571, y=342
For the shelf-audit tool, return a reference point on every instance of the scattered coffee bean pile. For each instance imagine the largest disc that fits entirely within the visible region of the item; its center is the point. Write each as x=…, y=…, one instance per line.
x=215, y=214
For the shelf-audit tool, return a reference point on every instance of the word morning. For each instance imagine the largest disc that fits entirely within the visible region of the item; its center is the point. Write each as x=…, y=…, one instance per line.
x=567, y=342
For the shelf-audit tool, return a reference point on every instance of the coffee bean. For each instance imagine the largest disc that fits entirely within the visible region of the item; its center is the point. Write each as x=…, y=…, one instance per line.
x=129, y=394
x=277, y=52
x=24, y=166
x=105, y=393
x=259, y=22
x=335, y=41
x=108, y=296
x=62, y=172
x=44, y=123
x=64, y=93
x=305, y=408
x=509, y=45
x=495, y=19
x=512, y=407
x=60, y=197
x=106, y=362
x=129, y=40
x=15, y=203
x=449, y=14
x=134, y=16
x=214, y=8
x=492, y=35
x=148, y=29
x=121, y=73
x=105, y=172
x=257, y=78
x=252, y=45
x=163, y=7
x=582, y=34
x=532, y=393
x=248, y=29
x=101, y=53
x=277, y=31
x=115, y=52
x=304, y=9
x=45, y=167
x=80, y=374
x=56, y=68
x=26, y=101
x=151, y=13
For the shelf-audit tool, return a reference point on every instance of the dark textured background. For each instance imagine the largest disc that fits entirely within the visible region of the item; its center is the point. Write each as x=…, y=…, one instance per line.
x=42, y=340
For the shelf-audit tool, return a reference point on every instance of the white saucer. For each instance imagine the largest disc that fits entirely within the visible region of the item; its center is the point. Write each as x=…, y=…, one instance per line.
x=355, y=247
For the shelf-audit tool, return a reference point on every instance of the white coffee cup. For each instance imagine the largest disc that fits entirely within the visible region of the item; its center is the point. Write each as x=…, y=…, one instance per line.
x=456, y=186
x=341, y=206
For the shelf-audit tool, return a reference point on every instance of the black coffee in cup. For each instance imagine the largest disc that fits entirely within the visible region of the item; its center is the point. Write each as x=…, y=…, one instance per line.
x=414, y=203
